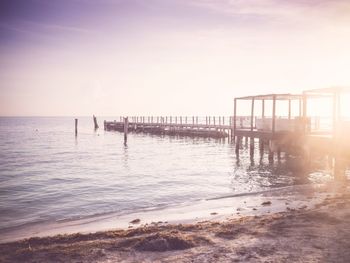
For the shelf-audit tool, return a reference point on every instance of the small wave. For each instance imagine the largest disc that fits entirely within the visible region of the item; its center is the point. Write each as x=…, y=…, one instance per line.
x=279, y=189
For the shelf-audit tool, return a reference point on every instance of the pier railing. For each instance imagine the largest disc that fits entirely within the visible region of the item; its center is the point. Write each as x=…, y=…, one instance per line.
x=205, y=126
x=179, y=120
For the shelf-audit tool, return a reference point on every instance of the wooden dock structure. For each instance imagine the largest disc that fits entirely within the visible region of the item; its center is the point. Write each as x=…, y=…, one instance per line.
x=296, y=132
x=209, y=126
x=293, y=132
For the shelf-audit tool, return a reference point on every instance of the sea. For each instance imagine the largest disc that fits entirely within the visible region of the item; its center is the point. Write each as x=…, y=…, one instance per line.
x=47, y=174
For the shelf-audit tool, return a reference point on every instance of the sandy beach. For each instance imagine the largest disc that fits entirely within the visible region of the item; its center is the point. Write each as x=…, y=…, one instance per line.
x=320, y=233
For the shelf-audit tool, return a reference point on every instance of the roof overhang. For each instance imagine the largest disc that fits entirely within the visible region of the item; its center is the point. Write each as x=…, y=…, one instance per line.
x=284, y=96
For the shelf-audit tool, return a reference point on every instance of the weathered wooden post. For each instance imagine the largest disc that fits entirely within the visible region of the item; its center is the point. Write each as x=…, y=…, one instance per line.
x=126, y=126
x=76, y=127
x=263, y=110
x=234, y=118
x=95, y=122
x=238, y=141
x=271, y=155
x=261, y=148
x=289, y=109
x=273, y=115
x=251, y=150
x=252, y=115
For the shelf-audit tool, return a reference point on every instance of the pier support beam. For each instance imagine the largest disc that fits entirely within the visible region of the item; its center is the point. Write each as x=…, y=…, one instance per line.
x=76, y=127
x=237, y=146
x=252, y=115
x=273, y=115
x=126, y=127
x=234, y=117
x=261, y=149
x=95, y=122
x=271, y=152
x=251, y=150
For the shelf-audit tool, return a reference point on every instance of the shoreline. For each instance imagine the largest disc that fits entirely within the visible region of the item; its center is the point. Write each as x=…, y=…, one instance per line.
x=318, y=232
x=216, y=208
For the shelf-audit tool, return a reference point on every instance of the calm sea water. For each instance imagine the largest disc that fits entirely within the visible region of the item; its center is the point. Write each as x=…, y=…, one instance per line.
x=46, y=174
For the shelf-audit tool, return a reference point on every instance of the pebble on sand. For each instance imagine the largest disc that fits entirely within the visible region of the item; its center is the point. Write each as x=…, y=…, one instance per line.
x=135, y=221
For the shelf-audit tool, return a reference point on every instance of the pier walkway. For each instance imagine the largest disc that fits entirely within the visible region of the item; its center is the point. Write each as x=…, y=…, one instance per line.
x=210, y=126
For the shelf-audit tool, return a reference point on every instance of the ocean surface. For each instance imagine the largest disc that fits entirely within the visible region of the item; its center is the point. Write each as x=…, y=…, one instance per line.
x=48, y=175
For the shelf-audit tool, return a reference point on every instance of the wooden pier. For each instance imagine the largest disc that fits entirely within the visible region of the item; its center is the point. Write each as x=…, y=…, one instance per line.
x=210, y=126
x=292, y=132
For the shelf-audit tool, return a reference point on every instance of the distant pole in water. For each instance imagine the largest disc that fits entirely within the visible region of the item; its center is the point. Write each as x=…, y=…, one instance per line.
x=95, y=122
x=126, y=125
x=76, y=127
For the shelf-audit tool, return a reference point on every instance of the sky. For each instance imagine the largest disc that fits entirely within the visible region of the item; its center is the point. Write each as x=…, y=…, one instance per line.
x=165, y=57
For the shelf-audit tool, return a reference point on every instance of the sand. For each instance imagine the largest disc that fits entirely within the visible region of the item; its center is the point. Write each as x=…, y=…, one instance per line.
x=318, y=234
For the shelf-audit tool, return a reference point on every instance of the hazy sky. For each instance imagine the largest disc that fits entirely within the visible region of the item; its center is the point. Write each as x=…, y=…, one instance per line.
x=155, y=57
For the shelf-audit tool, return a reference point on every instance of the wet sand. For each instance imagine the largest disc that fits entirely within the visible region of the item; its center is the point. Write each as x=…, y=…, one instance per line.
x=302, y=234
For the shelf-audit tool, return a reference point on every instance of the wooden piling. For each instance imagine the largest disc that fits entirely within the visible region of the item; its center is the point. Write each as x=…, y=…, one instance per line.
x=238, y=141
x=76, y=127
x=251, y=150
x=95, y=122
x=273, y=115
x=252, y=115
x=234, y=117
x=261, y=147
x=271, y=152
x=126, y=126
x=289, y=109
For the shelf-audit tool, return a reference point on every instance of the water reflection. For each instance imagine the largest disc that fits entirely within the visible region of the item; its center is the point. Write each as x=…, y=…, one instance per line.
x=125, y=157
x=270, y=170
